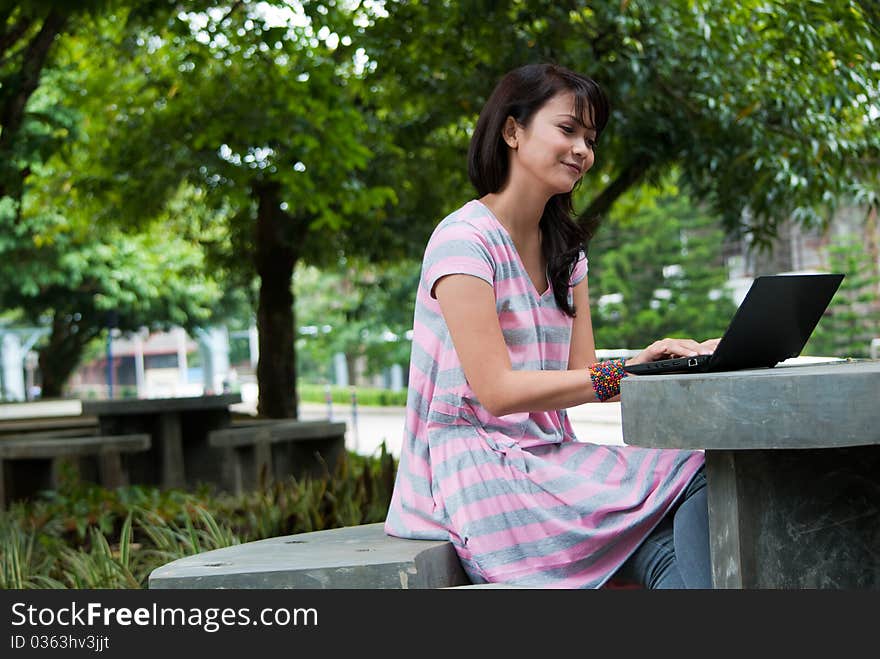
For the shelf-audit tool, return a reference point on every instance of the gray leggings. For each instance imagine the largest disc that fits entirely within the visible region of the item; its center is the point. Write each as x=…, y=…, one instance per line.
x=676, y=554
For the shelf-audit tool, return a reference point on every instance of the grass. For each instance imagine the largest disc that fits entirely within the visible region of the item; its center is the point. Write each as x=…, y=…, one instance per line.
x=85, y=536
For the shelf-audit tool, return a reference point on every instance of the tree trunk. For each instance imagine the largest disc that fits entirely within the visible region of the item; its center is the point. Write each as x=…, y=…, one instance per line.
x=60, y=357
x=275, y=261
x=351, y=368
x=12, y=109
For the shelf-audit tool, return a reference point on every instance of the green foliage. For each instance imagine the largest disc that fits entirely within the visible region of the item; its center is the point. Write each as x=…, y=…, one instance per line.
x=232, y=103
x=766, y=107
x=357, y=309
x=370, y=396
x=24, y=561
x=101, y=567
x=56, y=265
x=168, y=540
x=256, y=111
x=85, y=536
x=359, y=493
x=350, y=125
x=658, y=259
x=853, y=317
x=149, y=279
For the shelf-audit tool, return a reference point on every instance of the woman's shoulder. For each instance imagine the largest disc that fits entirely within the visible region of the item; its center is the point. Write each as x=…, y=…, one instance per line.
x=469, y=222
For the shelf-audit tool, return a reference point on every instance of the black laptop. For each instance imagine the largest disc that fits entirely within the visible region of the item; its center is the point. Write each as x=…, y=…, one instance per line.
x=773, y=323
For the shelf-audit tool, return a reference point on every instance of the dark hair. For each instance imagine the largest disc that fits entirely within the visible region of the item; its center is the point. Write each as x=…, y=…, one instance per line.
x=520, y=94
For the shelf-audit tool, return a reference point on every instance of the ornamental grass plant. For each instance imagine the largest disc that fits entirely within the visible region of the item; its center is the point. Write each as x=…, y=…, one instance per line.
x=86, y=536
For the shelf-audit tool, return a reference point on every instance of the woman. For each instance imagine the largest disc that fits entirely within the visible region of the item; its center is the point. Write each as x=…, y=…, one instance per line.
x=503, y=344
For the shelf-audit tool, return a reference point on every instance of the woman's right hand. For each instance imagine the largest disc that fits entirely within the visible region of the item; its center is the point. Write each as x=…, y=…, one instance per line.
x=666, y=348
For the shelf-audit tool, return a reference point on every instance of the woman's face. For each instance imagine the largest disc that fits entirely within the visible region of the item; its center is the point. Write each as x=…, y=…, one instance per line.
x=554, y=150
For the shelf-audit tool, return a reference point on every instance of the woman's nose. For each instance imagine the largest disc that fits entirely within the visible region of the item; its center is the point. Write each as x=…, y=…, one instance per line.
x=580, y=152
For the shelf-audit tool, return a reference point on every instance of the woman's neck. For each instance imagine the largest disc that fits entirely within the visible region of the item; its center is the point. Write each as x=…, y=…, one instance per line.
x=518, y=214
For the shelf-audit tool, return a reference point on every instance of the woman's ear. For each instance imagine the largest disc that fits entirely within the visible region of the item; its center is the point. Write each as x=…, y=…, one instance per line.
x=509, y=132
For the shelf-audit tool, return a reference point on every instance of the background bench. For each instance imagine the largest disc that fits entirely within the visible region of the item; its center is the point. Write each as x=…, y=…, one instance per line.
x=38, y=459
x=60, y=426
x=259, y=451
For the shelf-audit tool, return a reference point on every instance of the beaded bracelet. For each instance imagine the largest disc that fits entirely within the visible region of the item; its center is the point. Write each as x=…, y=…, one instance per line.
x=606, y=377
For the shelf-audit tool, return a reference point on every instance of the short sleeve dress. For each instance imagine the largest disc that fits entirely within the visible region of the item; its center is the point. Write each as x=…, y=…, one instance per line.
x=520, y=498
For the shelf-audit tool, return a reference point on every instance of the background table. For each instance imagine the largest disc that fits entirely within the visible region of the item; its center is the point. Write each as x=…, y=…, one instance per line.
x=792, y=466
x=180, y=455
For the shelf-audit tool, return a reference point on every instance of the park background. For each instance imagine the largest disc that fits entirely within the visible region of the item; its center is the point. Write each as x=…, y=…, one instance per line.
x=201, y=196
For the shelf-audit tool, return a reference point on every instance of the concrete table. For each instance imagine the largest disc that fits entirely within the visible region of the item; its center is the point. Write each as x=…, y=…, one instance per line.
x=180, y=455
x=792, y=465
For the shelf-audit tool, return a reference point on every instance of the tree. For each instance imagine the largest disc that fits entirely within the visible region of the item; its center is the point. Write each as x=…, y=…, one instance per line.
x=853, y=317
x=358, y=309
x=55, y=266
x=79, y=279
x=768, y=109
x=252, y=105
x=128, y=282
x=29, y=34
x=656, y=270
x=338, y=131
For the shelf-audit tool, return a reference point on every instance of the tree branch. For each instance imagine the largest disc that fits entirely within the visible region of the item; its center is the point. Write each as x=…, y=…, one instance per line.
x=12, y=112
x=631, y=174
x=11, y=36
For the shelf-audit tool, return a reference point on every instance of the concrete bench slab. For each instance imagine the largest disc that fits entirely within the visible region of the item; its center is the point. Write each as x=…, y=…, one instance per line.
x=260, y=451
x=357, y=557
x=18, y=447
x=67, y=424
x=246, y=433
x=39, y=459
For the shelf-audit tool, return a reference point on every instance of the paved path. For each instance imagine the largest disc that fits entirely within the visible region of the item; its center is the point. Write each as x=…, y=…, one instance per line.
x=595, y=422
x=40, y=408
x=370, y=426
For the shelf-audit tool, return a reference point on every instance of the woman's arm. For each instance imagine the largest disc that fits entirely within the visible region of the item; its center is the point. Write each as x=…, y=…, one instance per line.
x=468, y=306
x=582, y=352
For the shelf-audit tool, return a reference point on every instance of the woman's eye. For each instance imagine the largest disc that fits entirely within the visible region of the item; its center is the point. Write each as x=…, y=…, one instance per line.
x=567, y=129
x=591, y=143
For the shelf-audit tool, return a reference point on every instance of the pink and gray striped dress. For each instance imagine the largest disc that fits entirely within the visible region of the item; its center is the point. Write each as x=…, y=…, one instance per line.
x=521, y=499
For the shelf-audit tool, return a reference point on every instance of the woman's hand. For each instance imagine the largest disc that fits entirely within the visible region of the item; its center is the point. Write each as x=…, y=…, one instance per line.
x=666, y=348
x=710, y=344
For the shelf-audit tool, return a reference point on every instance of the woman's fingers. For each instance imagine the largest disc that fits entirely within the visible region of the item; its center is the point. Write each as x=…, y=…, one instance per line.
x=674, y=348
x=680, y=347
x=710, y=344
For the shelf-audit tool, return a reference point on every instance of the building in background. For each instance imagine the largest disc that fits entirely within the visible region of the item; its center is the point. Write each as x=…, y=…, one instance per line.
x=143, y=365
x=799, y=249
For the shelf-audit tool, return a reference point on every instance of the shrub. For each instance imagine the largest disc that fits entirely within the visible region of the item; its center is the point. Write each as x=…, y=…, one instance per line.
x=85, y=536
x=370, y=396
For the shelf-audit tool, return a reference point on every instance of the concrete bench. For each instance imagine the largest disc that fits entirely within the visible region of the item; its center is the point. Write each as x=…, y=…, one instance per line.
x=360, y=557
x=354, y=557
x=39, y=458
x=67, y=426
x=262, y=450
